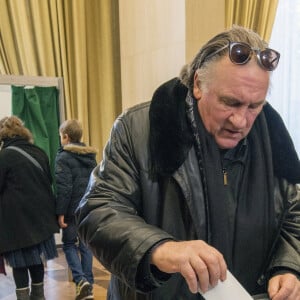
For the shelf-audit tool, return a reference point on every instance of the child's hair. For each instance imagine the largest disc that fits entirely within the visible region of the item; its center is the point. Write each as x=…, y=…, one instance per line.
x=13, y=126
x=73, y=129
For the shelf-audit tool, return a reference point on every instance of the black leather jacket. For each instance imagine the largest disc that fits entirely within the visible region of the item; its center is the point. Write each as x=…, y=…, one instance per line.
x=127, y=210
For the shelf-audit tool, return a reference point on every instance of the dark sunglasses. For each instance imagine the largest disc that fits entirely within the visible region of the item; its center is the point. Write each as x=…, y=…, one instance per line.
x=241, y=53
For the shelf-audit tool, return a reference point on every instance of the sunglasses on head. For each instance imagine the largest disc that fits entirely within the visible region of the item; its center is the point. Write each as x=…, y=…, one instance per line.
x=241, y=53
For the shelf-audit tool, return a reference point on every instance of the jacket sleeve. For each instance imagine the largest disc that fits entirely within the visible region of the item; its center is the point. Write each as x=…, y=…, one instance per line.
x=63, y=176
x=287, y=250
x=109, y=215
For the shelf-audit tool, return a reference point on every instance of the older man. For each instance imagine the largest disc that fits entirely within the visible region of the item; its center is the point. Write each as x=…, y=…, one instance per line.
x=197, y=181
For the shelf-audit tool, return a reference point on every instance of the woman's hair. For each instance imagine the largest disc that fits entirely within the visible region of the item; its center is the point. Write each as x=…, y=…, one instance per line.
x=73, y=129
x=202, y=62
x=11, y=127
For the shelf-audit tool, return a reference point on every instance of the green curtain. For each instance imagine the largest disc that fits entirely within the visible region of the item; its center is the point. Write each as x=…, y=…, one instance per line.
x=38, y=108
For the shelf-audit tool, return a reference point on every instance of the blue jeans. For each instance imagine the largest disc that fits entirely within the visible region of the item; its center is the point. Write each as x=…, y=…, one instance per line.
x=78, y=256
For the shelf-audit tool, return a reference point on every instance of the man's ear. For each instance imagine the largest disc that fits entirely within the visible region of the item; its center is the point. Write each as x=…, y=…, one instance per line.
x=197, y=87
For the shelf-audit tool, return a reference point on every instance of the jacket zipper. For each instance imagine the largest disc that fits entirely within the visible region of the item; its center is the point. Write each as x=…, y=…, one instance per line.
x=225, y=179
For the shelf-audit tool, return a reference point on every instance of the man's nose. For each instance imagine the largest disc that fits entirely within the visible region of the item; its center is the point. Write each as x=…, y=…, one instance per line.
x=239, y=118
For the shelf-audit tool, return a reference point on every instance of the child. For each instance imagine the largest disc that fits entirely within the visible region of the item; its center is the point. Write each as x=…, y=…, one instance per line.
x=73, y=165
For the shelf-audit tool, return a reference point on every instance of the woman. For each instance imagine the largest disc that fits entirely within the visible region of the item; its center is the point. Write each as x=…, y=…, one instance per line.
x=27, y=208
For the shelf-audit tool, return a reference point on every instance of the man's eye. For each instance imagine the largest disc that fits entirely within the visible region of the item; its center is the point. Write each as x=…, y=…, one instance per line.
x=230, y=103
x=255, y=106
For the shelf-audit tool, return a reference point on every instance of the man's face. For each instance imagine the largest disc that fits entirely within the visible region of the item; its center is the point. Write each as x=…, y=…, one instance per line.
x=232, y=100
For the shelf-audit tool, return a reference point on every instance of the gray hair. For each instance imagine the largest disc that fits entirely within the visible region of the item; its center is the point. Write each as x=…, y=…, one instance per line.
x=202, y=62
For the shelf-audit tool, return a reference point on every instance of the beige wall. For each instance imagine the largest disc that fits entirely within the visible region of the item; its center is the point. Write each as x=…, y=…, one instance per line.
x=152, y=45
x=204, y=19
x=158, y=37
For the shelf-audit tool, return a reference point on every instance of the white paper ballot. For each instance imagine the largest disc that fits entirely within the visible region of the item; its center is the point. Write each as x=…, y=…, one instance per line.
x=230, y=289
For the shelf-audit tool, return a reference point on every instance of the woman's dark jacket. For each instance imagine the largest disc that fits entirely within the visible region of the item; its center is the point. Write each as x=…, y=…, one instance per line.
x=27, y=204
x=73, y=165
x=148, y=188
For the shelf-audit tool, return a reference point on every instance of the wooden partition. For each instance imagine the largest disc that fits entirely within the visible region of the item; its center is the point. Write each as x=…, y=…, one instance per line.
x=158, y=37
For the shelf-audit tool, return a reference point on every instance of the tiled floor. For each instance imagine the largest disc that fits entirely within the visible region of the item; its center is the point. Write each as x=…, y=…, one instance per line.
x=57, y=284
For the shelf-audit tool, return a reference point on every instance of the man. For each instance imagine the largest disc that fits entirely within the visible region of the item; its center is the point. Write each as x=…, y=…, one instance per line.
x=200, y=180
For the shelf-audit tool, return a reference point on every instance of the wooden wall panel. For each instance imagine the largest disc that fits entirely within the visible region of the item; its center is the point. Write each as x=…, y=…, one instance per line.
x=158, y=37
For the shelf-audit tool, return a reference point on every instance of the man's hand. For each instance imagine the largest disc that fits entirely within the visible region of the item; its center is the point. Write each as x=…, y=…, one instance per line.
x=200, y=264
x=284, y=287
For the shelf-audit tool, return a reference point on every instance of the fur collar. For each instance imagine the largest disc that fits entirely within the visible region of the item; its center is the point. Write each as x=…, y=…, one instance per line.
x=79, y=148
x=171, y=138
